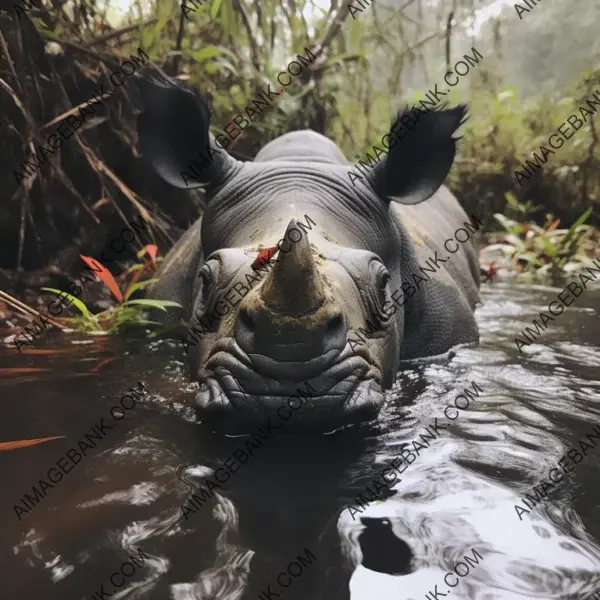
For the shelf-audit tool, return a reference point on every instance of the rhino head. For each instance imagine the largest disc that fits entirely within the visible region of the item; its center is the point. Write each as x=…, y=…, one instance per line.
x=274, y=331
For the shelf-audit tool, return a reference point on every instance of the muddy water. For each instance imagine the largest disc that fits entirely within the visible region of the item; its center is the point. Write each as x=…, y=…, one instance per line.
x=113, y=527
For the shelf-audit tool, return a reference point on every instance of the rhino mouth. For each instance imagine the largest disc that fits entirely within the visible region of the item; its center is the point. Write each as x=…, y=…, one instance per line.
x=329, y=391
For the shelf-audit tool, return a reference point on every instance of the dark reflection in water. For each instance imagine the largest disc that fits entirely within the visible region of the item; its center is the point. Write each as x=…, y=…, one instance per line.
x=291, y=498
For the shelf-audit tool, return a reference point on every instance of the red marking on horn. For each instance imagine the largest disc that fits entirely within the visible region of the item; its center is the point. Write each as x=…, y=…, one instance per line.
x=264, y=255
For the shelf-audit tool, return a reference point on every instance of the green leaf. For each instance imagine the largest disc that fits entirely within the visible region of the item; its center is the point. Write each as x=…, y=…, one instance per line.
x=206, y=53
x=126, y=314
x=512, y=201
x=135, y=268
x=162, y=22
x=140, y=285
x=582, y=219
x=153, y=303
x=147, y=37
x=214, y=9
x=227, y=66
x=549, y=248
x=83, y=309
x=508, y=224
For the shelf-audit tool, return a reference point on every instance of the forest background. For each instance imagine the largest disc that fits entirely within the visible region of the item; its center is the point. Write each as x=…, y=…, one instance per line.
x=537, y=69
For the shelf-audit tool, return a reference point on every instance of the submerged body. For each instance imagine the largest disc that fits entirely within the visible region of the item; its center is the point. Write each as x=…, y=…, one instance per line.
x=362, y=275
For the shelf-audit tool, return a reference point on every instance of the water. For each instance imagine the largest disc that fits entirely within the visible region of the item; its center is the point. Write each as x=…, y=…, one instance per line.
x=124, y=498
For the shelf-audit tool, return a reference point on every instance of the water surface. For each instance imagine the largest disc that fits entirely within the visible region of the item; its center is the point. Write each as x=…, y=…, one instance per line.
x=124, y=498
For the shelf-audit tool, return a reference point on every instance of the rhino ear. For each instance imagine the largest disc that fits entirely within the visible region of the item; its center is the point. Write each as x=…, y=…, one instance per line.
x=421, y=158
x=173, y=130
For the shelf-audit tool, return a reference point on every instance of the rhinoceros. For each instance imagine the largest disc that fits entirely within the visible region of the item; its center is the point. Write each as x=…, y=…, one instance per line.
x=304, y=273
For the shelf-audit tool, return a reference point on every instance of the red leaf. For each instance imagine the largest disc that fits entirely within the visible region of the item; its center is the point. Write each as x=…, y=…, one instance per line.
x=264, y=255
x=151, y=250
x=104, y=361
x=489, y=270
x=105, y=275
x=24, y=443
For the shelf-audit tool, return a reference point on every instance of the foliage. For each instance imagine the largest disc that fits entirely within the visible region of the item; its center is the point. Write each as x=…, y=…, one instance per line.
x=502, y=133
x=127, y=312
x=531, y=247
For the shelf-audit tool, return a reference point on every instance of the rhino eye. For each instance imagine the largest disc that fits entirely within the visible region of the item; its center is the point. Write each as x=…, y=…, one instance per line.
x=205, y=277
x=380, y=279
x=384, y=279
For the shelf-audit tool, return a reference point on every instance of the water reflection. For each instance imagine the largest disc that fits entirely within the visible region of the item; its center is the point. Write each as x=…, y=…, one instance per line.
x=294, y=494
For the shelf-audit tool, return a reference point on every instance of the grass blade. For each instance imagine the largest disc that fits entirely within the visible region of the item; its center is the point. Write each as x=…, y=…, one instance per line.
x=153, y=303
x=83, y=309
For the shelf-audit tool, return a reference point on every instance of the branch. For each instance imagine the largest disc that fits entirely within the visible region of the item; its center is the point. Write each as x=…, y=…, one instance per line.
x=448, y=36
x=20, y=306
x=11, y=64
x=334, y=22
x=178, y=43
x=324, y=67
x=73, y=46
x=118, y=32
x=428, y=38
x=251, y=34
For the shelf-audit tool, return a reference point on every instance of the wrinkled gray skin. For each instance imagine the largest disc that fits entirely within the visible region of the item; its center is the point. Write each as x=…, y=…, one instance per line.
x=295, y=324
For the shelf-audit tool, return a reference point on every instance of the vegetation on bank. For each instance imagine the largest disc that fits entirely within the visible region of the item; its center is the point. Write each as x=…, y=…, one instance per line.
x=126, y=312
x=526, y=250
x=502, y=133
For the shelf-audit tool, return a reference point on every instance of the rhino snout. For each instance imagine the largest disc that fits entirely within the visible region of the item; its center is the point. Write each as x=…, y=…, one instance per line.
x=291, y=316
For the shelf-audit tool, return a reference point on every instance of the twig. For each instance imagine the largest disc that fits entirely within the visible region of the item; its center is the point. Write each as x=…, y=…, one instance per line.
x=448, y=36
x=10, y=61
x=426, y=39
x=288, y=17
x=251, y=35
x=73, y=111
x=352, y=58
x=114, y=34
x=18, y=305
x=178, y=43
x=335, y=20
x=101, y=167
x=73, y=46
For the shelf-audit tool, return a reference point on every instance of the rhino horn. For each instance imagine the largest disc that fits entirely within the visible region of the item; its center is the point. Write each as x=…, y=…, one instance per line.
x=294, y=286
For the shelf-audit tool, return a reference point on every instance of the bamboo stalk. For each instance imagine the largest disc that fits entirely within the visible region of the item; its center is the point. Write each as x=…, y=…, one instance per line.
x=18, y=305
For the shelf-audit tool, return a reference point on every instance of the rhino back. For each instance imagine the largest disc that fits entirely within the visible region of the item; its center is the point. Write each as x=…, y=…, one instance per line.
x=439, y=314
x=429, y=225
x=302, y=146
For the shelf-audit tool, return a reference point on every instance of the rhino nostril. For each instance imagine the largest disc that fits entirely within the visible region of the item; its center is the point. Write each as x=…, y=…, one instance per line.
x=335, y=325
x=246, y=319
